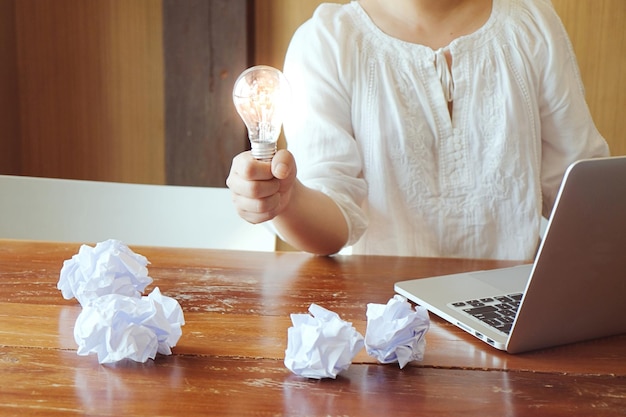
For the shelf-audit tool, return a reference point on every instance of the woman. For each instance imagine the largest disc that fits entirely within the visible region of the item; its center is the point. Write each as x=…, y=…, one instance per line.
x=423, y=128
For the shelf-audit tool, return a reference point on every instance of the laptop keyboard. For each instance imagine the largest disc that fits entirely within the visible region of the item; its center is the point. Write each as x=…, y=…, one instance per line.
x=497, y=312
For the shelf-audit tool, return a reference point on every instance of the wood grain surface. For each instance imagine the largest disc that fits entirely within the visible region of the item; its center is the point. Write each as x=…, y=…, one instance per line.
x=229, y=360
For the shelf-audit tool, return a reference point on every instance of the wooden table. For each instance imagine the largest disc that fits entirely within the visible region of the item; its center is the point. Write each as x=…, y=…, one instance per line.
x=229, y=360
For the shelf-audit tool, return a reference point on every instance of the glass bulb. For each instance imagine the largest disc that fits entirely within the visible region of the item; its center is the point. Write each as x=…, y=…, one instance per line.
x=261, y=97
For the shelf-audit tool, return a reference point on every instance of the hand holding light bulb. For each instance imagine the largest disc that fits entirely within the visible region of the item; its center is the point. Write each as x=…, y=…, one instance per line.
x=261, y=96
x=307, y=219
x=260, y=190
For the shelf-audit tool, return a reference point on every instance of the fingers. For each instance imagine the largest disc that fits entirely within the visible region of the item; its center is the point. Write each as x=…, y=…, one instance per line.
x=257, y=210
x=251, y=178
x=258, y=188
x=247, y=167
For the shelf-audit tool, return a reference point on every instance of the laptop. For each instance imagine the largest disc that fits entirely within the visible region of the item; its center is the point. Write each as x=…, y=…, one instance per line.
x=574, y=291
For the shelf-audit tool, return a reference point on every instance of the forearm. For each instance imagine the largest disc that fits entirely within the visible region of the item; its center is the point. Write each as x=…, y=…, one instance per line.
x=312, y=222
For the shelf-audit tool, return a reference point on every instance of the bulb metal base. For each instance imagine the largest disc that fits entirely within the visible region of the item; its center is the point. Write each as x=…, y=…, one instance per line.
x=263, y=151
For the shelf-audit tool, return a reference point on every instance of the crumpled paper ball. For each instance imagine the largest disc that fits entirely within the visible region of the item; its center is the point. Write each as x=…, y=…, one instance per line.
x=321, y=345
x=395, y=332
x=108, y=268
x=120, y=327
x=117, y=322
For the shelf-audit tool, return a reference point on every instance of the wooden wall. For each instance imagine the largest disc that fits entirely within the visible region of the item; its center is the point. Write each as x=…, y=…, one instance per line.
x=10, y=152
x=89, y=89
x=205, y=47
x=598, y=32
x=275, y=23
x=84, y=85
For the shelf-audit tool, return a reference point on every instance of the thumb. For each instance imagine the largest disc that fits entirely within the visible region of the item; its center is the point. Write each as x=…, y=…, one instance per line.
x=283, y=165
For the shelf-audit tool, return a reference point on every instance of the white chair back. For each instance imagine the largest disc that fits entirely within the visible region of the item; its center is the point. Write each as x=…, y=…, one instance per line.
x=137, y=214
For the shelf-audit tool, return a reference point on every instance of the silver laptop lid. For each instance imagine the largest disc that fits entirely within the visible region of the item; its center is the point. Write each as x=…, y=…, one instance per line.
x=577, y=289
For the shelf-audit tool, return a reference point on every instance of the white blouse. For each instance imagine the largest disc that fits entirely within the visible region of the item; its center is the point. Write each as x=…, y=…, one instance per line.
x=371, y=129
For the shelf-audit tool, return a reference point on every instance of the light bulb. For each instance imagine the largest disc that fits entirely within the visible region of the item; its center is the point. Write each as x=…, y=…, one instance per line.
x=261, y=96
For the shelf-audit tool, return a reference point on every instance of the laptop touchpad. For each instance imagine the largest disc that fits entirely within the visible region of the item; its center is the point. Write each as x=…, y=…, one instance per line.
x=506, y=280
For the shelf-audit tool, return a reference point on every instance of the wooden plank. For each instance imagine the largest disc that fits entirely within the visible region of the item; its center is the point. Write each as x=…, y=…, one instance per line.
x=53, y=382
x=596, y=29
x=253, y=336
x=211, y=279
x=205, y=48
x=10, y=149
x=91, y=89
